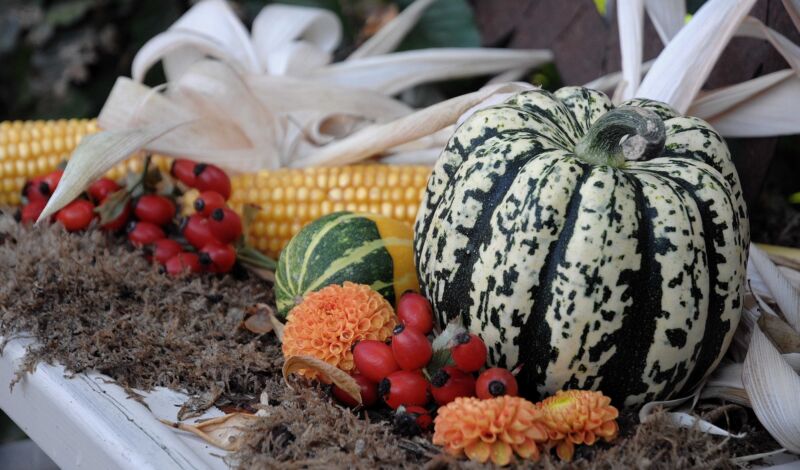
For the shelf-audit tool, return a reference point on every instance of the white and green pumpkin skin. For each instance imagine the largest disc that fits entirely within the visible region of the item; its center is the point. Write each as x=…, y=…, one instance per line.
x=594, y=271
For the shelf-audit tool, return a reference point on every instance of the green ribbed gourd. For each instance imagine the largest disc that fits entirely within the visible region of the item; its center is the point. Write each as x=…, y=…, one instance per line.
x=345, y=246
x=601, y=247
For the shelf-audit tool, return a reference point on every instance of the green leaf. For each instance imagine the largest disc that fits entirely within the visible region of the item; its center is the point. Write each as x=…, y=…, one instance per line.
x=113, y=206
x=447, y=23
x=67, y=13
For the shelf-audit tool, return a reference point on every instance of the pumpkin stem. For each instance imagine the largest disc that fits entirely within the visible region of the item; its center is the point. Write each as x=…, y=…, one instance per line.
x=622, y=134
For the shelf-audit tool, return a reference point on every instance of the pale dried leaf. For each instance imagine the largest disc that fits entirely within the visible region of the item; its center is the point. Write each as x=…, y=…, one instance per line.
x=782, y=335
x=95, y=155
x=686, y=420
x=390, y=36
x=442, y=341
x=793, y=8
x=292, y=39
x=393, y=73
x=783, y=256
x=609, y=82
x=630, y=17
x=209, y=28
x=759, y=456
x=770, y=113
x=773, y=388
x=667, y=16
x=378, y=138
x=197, y=405
x=685, y=63
x=258, y=319
x=330, y=373
x=786, y=296
x=225, y=432
x=763, y=106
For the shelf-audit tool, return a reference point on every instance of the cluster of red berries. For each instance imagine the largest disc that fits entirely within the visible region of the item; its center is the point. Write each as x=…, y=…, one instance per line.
x=205, y=241
x=213, y=229
x=76, y=215
x=407, y=374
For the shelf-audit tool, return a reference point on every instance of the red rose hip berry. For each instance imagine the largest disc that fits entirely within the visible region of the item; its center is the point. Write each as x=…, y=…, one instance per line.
x=100, y=189
x=411, y=420
x=183, y=170
x=36, y=190
x=154, y=208
x=211, y=178
x=31, y=211
x=404, y=387
x=449, y=383
x=369, y=392
x=411, y=348
x=225, y=225
x=144, y=233
x=119, y=222
x=217, y=257
x=183, y=262
x=196, y=231
x=374, y=359
x=496, y=382
x=164, y=249
x=77, y=215
x=208, y=201
x=469, y=352
x=52, y=179
x=415, y=312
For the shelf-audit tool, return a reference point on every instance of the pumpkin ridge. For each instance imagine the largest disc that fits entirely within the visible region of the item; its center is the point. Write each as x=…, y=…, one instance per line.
x=538, y=332
x=462, y=279
x=621, y=375
x=711, y=344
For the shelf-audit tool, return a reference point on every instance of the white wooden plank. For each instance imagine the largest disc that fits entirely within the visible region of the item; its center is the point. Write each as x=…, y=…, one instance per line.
x=88, y=422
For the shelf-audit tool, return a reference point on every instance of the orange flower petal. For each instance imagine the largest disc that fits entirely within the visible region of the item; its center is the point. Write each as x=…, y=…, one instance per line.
x=501, y=453
x=565, y=450
x=478, y=451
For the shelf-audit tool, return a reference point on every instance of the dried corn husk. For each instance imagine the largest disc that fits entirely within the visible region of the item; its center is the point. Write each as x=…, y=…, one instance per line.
x=272, y=98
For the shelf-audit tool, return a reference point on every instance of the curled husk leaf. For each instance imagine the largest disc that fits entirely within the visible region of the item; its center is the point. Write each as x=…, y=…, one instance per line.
x=326, y=372
x=224, y=432
x=490, y=429
x=327, y=323
x=577, y=417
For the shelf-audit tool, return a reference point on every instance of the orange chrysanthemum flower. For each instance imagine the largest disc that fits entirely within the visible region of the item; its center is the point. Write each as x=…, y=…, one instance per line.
x=327, y=323
x=490, y=429
x=578, y=417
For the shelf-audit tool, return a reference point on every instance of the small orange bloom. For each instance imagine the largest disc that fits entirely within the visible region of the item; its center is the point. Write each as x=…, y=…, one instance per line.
x=577, y=417
x=328, y=322
x=490, y=429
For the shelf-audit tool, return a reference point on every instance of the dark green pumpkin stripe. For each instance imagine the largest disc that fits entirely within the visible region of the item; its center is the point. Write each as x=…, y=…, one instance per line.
x=532, y=210
x=622, y=373
x=535, y=335
x=709, y=348
x=457, y=304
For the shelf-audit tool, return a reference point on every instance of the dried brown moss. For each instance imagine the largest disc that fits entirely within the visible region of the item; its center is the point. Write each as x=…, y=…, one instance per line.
x=91, y=303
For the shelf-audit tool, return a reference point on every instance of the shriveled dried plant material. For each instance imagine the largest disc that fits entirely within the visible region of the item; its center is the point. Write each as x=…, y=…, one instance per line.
x=92, y=304
x=306, y=429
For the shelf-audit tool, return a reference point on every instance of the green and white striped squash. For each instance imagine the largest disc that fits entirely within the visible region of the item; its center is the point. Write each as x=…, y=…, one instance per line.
x=602, y=248
x=345, y=246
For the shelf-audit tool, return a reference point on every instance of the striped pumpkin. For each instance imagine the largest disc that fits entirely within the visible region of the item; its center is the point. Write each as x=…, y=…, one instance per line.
x=346, y=246
x=602, y=248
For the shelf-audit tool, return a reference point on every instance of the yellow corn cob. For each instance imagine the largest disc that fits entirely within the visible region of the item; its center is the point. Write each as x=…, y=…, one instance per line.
x=33, y=148
x=288, y=198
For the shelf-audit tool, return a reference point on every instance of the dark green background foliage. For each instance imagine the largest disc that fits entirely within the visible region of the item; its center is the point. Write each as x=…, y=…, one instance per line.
x=60, y=58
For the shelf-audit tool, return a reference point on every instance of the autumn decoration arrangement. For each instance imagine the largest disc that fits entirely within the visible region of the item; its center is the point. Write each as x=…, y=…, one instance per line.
x=571, y=254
